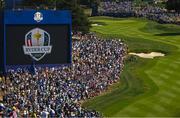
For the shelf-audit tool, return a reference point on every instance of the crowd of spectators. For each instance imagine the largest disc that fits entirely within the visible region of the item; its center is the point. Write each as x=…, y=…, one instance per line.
x=128, y=9
x=83, y=36
x=158, y=14
x=116, y=9
x=58, y=91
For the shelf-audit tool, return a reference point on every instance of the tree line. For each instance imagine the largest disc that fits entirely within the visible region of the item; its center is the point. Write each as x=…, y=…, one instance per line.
x=173, y=5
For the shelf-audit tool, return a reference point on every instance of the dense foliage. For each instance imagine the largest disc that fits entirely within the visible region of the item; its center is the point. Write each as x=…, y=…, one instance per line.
x=173, y=5
x=1, y=4
x=80, y=20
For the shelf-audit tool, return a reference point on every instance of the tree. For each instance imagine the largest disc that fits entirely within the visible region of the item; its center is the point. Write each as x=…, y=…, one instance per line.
x=80, y=21
x=1, y=4
x=35, y=3
x=92, y=4
x=173, y=5
x=89, y=2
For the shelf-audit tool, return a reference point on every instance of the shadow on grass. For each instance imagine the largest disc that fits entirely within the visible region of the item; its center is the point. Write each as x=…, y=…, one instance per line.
x=168, y=34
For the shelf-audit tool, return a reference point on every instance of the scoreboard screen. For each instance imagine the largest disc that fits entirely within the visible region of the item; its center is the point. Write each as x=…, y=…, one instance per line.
x=40, y=37
x=18, y=37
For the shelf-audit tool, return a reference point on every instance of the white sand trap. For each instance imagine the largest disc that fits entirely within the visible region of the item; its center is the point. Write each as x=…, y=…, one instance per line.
x=148, y=55
x=95, y=25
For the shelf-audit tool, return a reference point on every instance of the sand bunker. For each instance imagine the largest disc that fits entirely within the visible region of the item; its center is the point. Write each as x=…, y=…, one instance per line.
x=95, y=25
x=148, y=55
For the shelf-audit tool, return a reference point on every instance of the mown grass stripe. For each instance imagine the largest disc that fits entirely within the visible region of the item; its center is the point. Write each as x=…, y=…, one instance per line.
x=153, y=85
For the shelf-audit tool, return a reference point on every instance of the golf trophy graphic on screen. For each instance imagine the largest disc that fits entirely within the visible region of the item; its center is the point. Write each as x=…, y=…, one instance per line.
x=37, y=44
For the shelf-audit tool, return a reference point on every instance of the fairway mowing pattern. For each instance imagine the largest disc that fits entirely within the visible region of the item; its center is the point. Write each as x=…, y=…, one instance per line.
x=163, y=72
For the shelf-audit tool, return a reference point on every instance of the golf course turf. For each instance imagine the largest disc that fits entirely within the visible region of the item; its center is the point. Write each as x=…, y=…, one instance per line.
x=148, y=87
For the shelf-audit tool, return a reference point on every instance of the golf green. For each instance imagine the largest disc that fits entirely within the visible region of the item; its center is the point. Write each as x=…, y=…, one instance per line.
x=148, y=87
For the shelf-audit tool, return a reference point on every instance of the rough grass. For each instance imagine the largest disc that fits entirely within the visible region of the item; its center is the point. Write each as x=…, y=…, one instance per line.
x=148, y=87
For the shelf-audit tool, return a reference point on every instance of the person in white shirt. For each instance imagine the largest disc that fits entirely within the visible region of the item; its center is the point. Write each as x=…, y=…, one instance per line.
x=44, y=113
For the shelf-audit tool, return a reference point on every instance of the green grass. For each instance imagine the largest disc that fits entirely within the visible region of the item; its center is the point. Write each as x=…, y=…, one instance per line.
x=148, y=87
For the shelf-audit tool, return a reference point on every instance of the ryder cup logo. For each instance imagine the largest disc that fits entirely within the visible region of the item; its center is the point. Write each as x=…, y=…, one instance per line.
x=38, y=16
x=37, y=44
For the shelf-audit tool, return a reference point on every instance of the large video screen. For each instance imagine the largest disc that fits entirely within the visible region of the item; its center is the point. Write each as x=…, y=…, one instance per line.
x=43, y=44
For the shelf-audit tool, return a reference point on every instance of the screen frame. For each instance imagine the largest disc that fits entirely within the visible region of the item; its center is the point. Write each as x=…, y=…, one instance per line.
x=26, y=17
